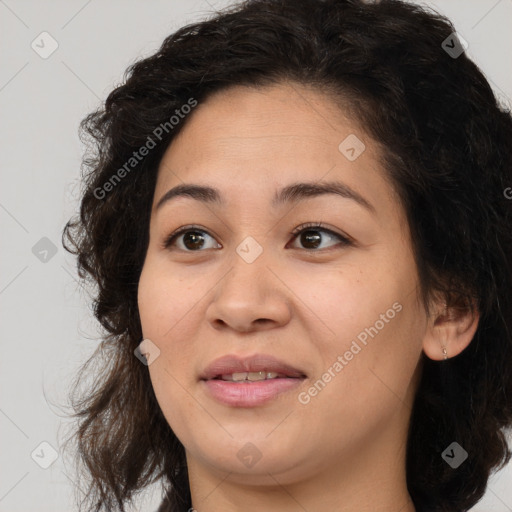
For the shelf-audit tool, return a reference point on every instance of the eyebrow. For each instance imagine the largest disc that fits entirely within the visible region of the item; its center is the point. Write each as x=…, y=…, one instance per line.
x=289, y=194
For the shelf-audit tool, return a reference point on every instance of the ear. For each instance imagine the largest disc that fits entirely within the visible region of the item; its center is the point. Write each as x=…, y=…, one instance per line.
x=450, y=327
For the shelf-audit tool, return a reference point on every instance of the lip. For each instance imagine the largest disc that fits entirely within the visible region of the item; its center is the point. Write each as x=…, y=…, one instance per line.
x=249, y=394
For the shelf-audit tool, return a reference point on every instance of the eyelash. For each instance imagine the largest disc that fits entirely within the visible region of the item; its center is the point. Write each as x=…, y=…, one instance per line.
x=309, y=226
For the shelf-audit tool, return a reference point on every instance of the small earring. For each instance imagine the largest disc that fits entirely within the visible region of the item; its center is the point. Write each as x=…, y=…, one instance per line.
x=445, y=354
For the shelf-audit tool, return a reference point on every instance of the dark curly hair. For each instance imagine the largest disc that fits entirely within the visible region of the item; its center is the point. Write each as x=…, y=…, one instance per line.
x=448, y=152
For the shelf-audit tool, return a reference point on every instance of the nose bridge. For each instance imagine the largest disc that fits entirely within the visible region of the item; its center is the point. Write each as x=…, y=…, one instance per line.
x=248, y=276
x=249, y=292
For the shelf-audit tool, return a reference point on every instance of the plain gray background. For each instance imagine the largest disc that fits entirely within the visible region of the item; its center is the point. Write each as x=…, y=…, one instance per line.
x=46, y=324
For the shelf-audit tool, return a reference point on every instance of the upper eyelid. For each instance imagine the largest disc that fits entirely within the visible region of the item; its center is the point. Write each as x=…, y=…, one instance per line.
x=318, y=226
x=184, y=229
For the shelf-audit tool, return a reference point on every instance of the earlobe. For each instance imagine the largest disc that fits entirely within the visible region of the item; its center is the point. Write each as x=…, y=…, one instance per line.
x=450, y=331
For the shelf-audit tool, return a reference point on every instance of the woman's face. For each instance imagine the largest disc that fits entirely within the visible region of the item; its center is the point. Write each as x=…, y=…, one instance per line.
x=338, y=321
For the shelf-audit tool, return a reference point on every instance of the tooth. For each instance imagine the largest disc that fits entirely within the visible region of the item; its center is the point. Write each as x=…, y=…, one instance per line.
x=252, y=376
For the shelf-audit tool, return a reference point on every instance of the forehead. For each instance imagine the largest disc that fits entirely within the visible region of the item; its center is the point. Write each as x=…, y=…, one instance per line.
x=287, y=119
x=252, y=141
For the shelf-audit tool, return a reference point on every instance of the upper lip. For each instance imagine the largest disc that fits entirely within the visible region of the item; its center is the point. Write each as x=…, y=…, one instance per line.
x=256, y=363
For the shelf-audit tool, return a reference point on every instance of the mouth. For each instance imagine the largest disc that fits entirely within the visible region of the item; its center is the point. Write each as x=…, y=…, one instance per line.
x=251, y=368
x=250, y=381
x=252, y=376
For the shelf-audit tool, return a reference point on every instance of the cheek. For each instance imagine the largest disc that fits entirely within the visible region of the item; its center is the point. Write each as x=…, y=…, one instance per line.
x=343, y=302
x=166, y=299
x=168, y=308
x=370, y=318
x=368, y=370
x=165, y=305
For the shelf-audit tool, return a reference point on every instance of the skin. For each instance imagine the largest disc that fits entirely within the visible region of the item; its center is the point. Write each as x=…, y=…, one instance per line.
x=345, y=449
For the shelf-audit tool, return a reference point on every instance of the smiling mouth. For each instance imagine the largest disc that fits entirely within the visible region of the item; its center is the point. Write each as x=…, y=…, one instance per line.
x=251, y=376
x=253, y=368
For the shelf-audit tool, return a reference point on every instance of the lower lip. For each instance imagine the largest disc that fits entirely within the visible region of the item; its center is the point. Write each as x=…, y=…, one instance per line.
x=249, y=394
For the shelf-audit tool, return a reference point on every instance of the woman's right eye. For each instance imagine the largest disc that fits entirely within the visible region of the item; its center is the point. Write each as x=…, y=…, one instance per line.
x=192, y=240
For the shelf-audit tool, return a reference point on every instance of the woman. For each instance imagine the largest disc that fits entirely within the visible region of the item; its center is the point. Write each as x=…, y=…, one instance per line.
x=296, y=217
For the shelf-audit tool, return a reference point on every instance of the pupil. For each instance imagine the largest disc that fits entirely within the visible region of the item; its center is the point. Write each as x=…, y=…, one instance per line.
x=194, y=237
x=310, y=236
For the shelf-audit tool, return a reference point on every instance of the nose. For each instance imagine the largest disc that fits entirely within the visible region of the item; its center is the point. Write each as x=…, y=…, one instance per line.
x=250, y=297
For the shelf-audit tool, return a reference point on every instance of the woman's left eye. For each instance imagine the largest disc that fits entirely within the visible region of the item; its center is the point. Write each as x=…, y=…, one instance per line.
x=309, y=235
x=194, y=237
